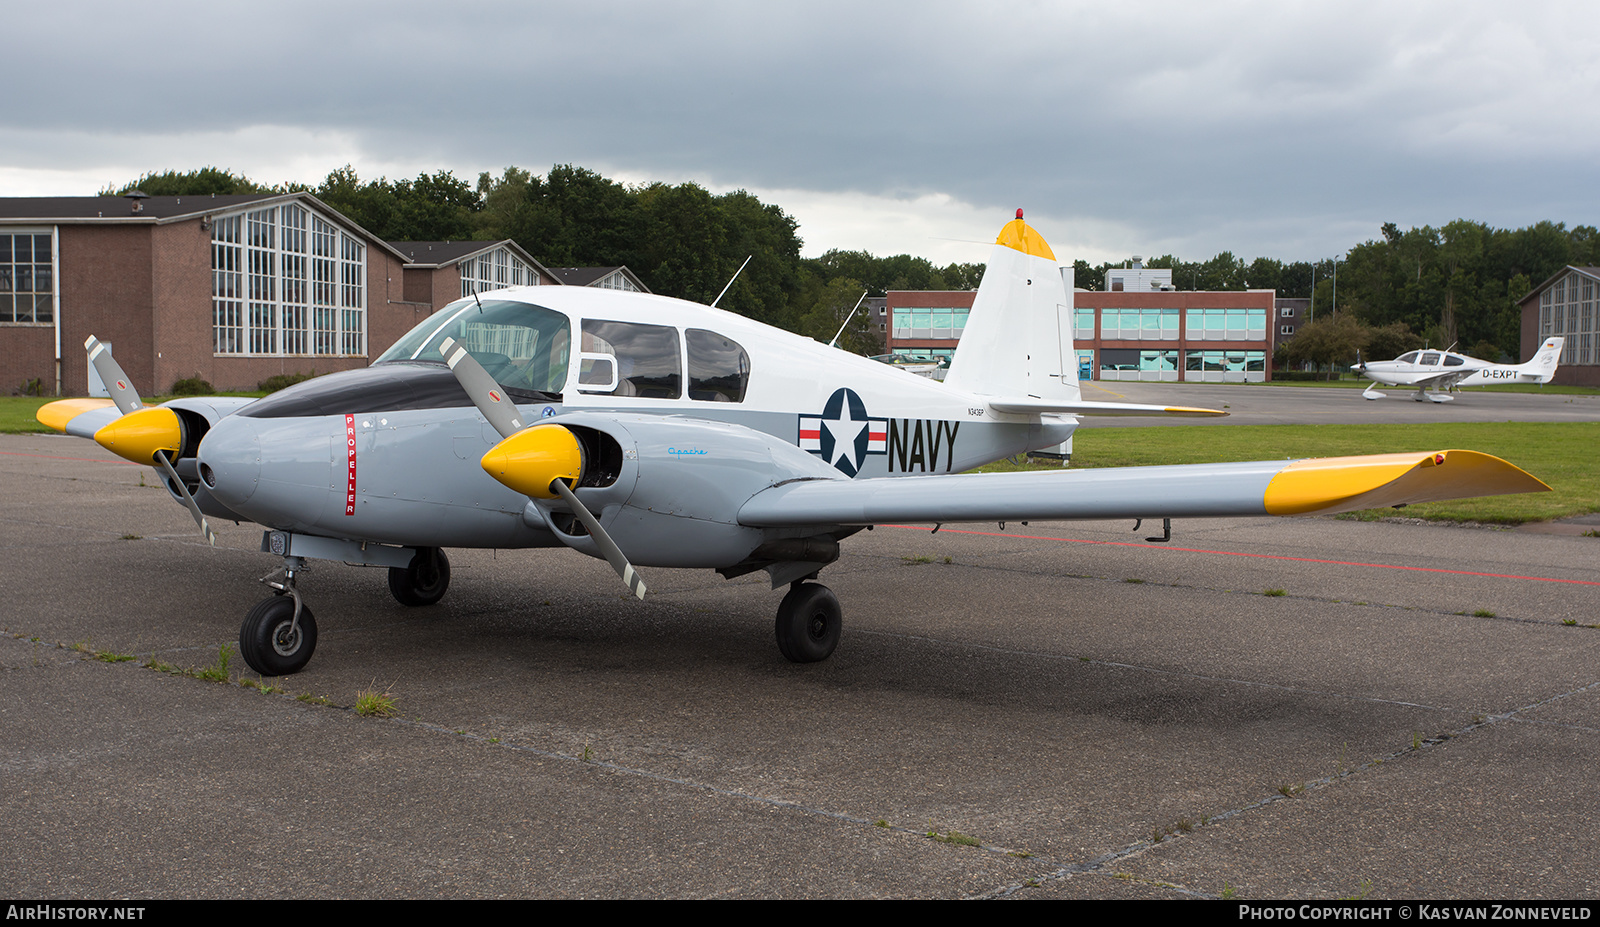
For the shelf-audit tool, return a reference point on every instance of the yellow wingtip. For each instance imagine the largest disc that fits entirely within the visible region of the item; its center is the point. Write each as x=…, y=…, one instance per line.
x=57, y=414
x=1329, y=485
x=1195, y=410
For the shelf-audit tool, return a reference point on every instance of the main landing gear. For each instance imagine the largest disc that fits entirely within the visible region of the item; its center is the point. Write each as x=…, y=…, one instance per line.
x=809, y=622
x=423, y=582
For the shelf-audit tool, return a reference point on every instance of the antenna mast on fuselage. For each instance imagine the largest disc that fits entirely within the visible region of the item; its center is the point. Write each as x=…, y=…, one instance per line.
x=730, y=282
x=847, y=319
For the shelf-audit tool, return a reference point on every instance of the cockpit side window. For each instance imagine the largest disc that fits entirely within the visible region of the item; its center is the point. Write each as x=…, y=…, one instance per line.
x=644, y=360
x=1430, y=359
x=719, y=369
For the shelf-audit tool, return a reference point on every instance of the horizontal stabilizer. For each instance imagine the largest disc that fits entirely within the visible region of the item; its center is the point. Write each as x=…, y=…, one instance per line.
x=1273, y=487
x=1031, y=406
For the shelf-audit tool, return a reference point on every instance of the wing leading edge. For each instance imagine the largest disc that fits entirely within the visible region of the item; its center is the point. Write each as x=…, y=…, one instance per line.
x=1313, y=486
x=1028, y=405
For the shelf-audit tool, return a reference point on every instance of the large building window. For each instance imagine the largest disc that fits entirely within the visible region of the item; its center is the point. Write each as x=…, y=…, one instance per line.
x=1139, y=324
x=495, y=270
x=941, y=322
x=1227, y=324
x=1138, y=364
x=1567, y=308
x=1226, y=366
x=1083, y=324
x=287, y=282
x=27, y=278
x=616, y=280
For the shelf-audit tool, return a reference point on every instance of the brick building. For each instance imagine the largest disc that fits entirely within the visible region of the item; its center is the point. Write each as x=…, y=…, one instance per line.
x=1566, y=305
x=230, y=289
x=1139, y=329
x=1210, y=335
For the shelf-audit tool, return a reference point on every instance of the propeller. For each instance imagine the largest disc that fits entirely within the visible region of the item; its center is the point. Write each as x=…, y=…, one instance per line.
x=149, y=435
x=536, y=461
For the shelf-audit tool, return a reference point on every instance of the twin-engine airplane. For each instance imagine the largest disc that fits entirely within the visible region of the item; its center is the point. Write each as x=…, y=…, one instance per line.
x=1443, y=370
x=659, y=433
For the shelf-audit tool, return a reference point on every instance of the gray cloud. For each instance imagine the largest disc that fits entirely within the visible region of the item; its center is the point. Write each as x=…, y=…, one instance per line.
x=1288, y=130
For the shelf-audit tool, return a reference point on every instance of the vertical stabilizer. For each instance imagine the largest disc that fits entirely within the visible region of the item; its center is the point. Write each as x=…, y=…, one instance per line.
x=1543, y=365
x=1018, y=337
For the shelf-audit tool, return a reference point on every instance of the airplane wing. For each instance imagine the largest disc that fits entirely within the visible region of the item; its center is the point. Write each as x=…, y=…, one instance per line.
x=1313, y=486
x=81, y=418
x=1031, y=405
x=1444, y=380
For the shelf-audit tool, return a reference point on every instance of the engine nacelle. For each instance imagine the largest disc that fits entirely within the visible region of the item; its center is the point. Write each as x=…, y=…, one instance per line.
x=668, y=489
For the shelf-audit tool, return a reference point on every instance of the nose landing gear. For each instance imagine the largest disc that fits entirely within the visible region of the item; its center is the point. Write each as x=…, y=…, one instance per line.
x=279, y=634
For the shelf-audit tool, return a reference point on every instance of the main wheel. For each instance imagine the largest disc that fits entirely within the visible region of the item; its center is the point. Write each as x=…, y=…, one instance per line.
x=808, y=623
x=424, y=581
x=270, y=640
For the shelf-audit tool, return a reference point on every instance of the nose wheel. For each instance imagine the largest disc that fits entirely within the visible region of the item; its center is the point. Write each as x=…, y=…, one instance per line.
x=278, y=636
x=809, y=622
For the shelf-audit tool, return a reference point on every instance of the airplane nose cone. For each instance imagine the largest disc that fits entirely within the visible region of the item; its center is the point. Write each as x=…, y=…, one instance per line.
x=139, y=436
x=531, y=459
x=230, y=463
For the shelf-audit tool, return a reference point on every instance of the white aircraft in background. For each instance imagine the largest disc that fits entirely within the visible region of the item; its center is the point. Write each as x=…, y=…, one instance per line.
x=1445, y=370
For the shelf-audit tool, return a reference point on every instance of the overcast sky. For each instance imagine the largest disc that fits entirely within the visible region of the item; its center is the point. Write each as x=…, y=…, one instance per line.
x=1279, y=129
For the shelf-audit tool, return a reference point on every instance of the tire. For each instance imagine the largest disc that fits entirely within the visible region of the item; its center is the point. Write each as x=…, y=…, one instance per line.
x=265, y=641
x=423, y=582
x=809, y=622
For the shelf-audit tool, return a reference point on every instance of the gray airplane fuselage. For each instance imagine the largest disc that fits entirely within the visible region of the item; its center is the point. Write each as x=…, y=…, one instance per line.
x=390, y=454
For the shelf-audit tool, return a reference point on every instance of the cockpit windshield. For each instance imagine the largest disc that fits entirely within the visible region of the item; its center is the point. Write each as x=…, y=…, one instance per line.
x=524, y=347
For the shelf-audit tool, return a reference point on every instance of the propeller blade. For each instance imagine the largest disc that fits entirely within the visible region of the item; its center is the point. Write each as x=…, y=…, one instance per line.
x=614, y=555
x=502, y=414
x=485, y=391
x=154, y=433
x=117, y=382
x=183, y=490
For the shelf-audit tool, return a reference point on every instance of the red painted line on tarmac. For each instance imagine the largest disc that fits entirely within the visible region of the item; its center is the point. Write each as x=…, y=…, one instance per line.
x=1231, y=553
x=128, y=463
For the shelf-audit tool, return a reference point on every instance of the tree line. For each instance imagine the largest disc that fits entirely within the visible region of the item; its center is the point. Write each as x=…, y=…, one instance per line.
x=1457, y=284
x=681, y=240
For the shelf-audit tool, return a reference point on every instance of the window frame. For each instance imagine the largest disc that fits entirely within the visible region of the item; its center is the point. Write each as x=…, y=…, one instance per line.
x=48, y=299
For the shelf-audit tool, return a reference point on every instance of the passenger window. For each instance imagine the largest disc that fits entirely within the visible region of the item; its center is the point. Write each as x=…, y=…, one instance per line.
x=630, y=359
x=719, y=369
x=1452, y=360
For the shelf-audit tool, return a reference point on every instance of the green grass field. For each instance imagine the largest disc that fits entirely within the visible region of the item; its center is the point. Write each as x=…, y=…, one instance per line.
x=1562, y=454
x=16, y=414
